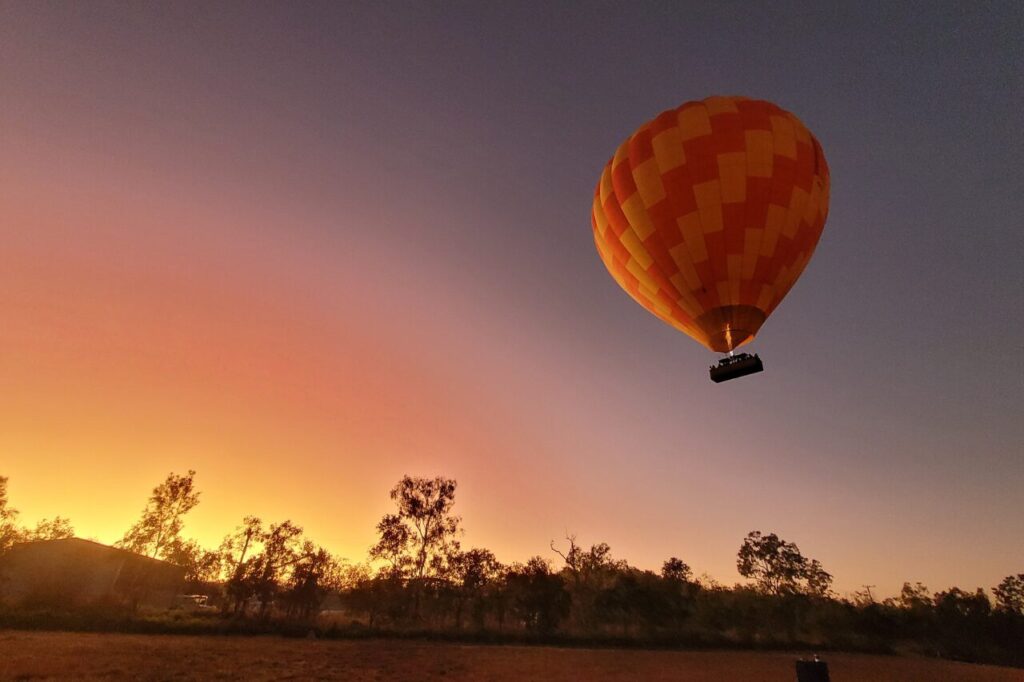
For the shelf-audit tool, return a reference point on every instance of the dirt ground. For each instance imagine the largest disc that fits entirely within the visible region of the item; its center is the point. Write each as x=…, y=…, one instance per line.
x=40, y=655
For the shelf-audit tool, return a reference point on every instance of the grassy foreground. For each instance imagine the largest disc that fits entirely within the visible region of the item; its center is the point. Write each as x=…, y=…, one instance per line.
x=90, y=655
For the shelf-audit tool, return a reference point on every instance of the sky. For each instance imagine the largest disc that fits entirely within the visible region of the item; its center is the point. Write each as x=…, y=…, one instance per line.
x=305, y=249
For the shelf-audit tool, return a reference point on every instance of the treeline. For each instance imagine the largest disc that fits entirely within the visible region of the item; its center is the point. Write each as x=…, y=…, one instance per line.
x=418, y=578
x=11, y=532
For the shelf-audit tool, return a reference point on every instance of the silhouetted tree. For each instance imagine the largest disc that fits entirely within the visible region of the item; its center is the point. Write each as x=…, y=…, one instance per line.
x=679, y=590
x=59, y=528
x=644, y=598
x=236, y=552
x=538, y=596
x=393, y=546
x=349, y=576
x=419, y=541
x=1008, y=620
x=914, y=609
x=818, y=580
x=313, y=574
x=424, y=508
x=280, y=543
x=592, y=574
x=201, y=565
x=778, y=567
x=163, y=516
x=915, y=597
x=961, y=604
x=961, y=623
x=1010, y=594
x=382, y=597
x=475, y=572
x=587, y=566
x=10, y=533
x=263, y=563
x=677, y=570
x=236, y=547
x=772, y=563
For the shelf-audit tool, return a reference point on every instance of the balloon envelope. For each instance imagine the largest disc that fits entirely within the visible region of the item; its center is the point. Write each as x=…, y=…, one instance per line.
x=707, y=215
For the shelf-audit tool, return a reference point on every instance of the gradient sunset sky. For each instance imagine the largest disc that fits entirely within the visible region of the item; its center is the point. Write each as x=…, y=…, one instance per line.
x=306, y=249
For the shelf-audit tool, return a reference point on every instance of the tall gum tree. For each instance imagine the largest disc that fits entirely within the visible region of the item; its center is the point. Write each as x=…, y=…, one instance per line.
x=162, y=519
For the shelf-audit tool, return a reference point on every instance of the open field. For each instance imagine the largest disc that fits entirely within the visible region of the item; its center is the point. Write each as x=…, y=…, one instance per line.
x=25, y=655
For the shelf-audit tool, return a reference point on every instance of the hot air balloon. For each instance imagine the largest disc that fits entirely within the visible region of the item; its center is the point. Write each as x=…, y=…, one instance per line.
x=707, y=215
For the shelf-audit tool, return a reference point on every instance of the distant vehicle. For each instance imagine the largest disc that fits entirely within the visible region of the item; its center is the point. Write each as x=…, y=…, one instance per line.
x=192, y=602
x=707, y=215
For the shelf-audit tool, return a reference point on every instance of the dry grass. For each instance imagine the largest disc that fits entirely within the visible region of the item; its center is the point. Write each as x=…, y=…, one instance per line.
x=36, y=655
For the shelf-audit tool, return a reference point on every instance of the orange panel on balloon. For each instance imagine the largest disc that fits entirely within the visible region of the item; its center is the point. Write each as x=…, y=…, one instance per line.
x=707, y=215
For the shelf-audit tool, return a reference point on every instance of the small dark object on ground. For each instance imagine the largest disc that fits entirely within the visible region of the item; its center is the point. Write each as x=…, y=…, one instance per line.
x=736, y=366
x=812, y=671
